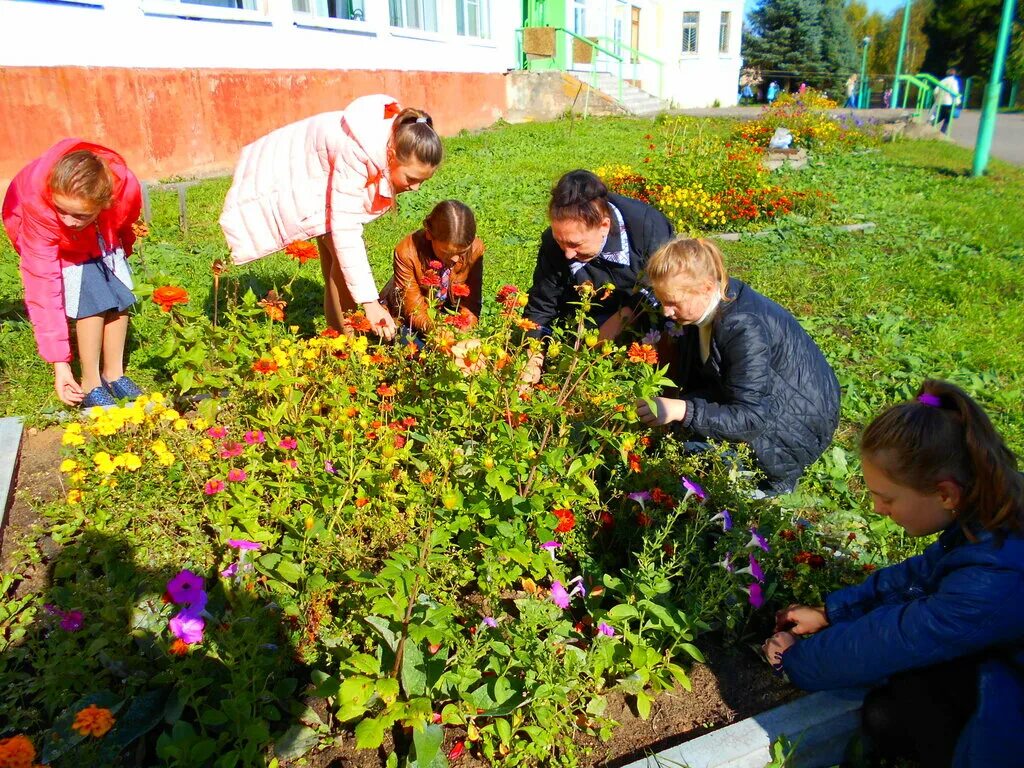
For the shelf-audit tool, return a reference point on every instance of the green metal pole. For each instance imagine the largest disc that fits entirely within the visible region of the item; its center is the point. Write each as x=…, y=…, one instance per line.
x=863, y=73
x=894, y=103
x=990, y=106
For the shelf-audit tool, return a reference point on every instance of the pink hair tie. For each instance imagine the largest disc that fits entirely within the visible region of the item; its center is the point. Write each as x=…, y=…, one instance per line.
x=929, y=399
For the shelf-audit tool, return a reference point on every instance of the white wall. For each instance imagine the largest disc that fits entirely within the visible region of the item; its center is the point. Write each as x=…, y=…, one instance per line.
x=155, y=33
x=699, y=79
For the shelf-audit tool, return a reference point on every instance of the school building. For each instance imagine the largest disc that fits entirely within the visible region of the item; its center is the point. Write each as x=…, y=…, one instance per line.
x=180, y=86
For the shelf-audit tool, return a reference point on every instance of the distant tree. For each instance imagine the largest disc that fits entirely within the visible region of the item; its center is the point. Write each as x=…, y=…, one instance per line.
x=838, y=50
x=962, y=34
x=917, y=41
x=785, y=36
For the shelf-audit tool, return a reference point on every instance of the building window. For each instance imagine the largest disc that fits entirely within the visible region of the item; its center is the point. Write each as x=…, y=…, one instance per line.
x=353, y=10
x=723, y=32
x=414, y=14
x=240, y=5
x=690, y=21
x=579, y=17
x=473, y=18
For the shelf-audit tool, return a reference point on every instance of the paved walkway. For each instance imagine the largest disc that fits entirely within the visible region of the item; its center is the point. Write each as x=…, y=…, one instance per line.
x=1007, y=143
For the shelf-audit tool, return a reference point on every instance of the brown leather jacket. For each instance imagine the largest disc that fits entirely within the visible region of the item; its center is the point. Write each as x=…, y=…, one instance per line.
x=404, y=294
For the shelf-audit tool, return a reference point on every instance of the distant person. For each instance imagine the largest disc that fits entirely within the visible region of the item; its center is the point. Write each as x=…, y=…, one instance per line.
x=851, y=92
x=887, y=98
x=773, y=91
x=947, y=96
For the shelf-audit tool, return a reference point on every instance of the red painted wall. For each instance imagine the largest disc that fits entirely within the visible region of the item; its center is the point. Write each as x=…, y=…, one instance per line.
x=171, y=122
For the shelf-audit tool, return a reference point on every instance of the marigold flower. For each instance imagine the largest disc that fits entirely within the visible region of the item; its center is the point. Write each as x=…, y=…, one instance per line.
x=634, y=462
x=302, y=251
x=75, y=496
x=178, y=648
x=166, y=296
x=274, y=306
x=386, y=390
x=93, y=721
x=17, y=752
x=642, y=353
x=426, y=477
x=264, y=365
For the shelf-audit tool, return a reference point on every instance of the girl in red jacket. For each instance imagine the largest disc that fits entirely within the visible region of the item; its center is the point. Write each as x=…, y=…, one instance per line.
x=69, y=215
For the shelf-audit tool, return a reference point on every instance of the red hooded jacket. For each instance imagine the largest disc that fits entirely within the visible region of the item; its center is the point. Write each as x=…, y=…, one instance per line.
x=46, y=246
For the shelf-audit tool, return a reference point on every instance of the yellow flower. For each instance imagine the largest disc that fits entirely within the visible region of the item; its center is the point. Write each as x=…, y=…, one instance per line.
x=200, y=424
x=129, y=461
x=170, y=415
x=68, y=465
x=158, y=447
x=78, y=476
x=180, y=425
x=74, y=496
x=72, y=438
x=166, y=459
x=157, y=397
x=207, y=444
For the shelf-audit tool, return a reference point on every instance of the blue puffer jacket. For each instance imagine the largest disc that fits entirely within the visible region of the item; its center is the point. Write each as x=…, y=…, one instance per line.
x=957, y=598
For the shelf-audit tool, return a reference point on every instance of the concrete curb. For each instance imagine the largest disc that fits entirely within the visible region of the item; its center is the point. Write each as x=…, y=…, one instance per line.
x=818, y=725
x=10, y=446
x=862, y=228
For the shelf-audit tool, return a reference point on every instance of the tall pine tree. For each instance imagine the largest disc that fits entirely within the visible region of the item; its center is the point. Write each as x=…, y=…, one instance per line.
x=838, y=49
x=785, y=39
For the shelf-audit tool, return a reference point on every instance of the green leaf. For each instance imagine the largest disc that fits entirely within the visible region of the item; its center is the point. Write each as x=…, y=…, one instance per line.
x=643, y=705
x=622, y=611
x=503, y=729
x=365, y=663
x=289, y=571
x=383, y=628
x=414, y=673
x=369, y=733
x=295, y=742
x=427, y=745
x=680, y=675
x=694, y=651
x=387, y=689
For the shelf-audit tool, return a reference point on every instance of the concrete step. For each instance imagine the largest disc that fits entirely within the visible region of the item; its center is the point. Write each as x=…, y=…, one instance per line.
x=10, y=447
x=635, y=100
x=818, y=725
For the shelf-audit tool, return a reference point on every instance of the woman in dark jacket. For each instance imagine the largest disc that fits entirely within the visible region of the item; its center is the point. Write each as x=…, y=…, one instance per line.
x=745, y=368
x=595, y=237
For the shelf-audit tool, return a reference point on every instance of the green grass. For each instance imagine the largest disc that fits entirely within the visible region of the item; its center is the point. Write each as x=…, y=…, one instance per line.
x=936, y=290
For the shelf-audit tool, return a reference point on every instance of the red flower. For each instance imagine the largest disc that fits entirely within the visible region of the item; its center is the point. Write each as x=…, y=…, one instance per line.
x=392, y=109
x=867, y=567
x=460, y=290
x=566, y=520
x=430, y=280
x=463, y=320
x=399, y=441
x=362, y=501
x=302, y=251
x=788, y=534
x=358, y=323
x=607, y=520
x=330, y=333
x=643, y=520
x=168, y=295
x=265, y=365
x=456, y=752
x=634, y=462
x=386, y=390
x=507, y=296
x=642, y=353
x=435, y=264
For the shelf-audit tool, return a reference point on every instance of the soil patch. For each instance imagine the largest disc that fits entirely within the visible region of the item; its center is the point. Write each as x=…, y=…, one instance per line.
x=37, y=481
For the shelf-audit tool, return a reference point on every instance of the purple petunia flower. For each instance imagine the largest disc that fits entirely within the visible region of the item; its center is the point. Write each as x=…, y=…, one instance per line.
x=188, y=625
x=640, y=497
x=70, y=621
x=605, y=629
x=187, y=589
x=726, y=517
x=244, y=544
x=652, y=337
x=756, y=595
x=488, y=621
x=230, y=571
x=559, y=596
x=726, y=562
x=757, y=540
x=754, y=569
x=329, y=468
x=551, y=546
x=692, y=488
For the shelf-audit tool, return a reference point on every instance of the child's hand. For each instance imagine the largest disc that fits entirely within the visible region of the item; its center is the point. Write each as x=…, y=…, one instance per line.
x=776, y=645
x=532, y=372
x=381, y=321
x=68, y=390
x=801, y=619
x=666, y=410
x=468, y=357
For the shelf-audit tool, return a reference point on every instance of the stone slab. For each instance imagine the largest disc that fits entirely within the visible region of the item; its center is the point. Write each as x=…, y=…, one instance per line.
x=10, y=446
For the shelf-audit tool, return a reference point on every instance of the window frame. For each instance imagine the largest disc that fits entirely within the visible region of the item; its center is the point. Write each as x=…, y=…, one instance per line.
x=311, y=20
x=724, y=31
x=686, y=27
x=183, y=9
x=483, y=10
x=404, y=28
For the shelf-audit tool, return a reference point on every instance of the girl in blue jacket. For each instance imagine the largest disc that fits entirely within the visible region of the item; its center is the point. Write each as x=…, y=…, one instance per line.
x=940, y=636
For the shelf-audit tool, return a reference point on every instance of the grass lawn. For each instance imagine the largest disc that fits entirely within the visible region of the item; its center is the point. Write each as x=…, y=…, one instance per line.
x=935, y=290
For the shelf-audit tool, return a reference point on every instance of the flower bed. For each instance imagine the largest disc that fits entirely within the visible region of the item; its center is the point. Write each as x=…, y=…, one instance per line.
x=456, y=565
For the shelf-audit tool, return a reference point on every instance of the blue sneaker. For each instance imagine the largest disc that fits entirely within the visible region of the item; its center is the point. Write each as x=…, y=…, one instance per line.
x=98, y=396
x=124, y=388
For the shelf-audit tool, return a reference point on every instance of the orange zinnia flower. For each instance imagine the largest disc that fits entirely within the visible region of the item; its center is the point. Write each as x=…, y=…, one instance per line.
x=302, y=251
x=17, y=752
x=93, y=721
x=527, y=325
x=386, y=390
x=358, y=323
x=265, y=365
x=643, y=353
x=566, y=520
x=460, y=290
x=168, y=295
x=274, y=306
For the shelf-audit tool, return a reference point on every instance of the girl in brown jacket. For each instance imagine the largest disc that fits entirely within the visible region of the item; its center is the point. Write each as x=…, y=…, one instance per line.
x=439, y=266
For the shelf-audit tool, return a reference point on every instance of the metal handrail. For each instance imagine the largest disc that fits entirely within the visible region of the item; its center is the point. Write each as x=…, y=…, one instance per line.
x=641, y=55
x=521, y=56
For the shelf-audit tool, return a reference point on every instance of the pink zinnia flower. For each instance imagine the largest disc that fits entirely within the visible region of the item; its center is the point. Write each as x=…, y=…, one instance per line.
x=290, y=463
x=213, y=487
x=254, y=436
x=217, y=432
x=231, y=449
x=288, y=443
x=236, y=475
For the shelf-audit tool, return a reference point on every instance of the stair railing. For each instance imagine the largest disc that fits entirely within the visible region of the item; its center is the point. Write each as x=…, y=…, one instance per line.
x=570, y=36
x=635, y=56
